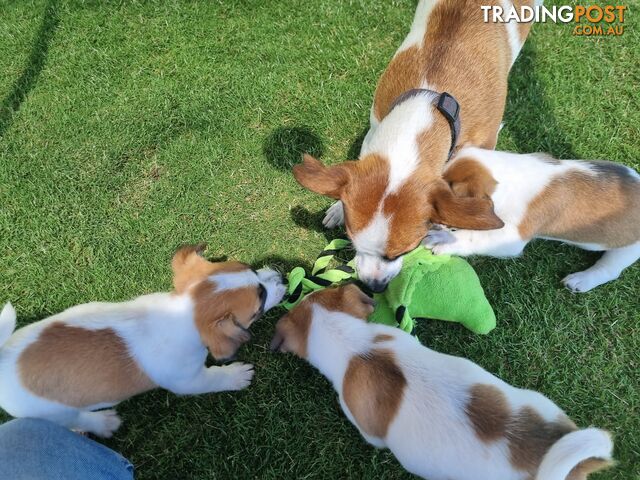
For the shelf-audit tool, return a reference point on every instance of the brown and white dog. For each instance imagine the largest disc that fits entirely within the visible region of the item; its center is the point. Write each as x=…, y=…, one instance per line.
x=388, y=198
x=593, y=205
x=443, y=417
x=96, y=355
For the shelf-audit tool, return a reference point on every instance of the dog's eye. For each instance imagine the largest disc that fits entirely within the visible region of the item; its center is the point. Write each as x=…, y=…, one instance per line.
x=262, y=295
x=394, y=258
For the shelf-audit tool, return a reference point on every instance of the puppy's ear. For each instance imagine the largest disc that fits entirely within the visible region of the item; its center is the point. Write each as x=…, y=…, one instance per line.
x=314, y=176
x=277, y=341
x=469, y=178
x=462, y=212
x=356, y=302
x=189, y=266
x=225, y=337
x=292, y=331
x=345, y=298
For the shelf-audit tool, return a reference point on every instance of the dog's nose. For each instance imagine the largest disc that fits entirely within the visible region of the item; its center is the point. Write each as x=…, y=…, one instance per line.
x=377, y=286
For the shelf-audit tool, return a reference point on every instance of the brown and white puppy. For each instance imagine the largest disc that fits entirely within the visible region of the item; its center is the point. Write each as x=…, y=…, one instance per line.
x=96, y=355
x=593, y=205
x=443, y=417
x=388, y=198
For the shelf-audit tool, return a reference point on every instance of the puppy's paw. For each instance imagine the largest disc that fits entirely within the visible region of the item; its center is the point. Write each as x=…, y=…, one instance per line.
x=446, y=249
x=581, y=282
x=334, y=216
x=103, y=423
x=438, y=237
x=238, y=376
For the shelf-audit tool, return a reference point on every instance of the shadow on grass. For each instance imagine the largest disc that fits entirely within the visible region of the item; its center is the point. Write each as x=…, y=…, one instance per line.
x=23, y=85
x=282, y=264
x=356, y=145
x=285, y=145
x=528, y=114
x=313, y=221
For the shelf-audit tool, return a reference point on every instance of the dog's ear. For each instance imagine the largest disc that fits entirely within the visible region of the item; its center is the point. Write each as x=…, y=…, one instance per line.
x=277, y=341
x=345, y=298
x=292, y=331
x=356, y=302
x=224, y=337
x=189, y=267
x=462, y=212
x=314, y=176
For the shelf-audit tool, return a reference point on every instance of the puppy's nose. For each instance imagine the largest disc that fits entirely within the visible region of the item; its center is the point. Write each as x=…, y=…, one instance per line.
x=377, y=286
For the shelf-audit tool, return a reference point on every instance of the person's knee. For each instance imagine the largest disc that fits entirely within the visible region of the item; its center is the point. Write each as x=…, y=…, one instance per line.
x=28, y=428
x=28, y=425
x=40, y=449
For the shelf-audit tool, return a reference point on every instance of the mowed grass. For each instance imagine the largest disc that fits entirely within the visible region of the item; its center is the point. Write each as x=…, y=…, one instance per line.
x=129, y=128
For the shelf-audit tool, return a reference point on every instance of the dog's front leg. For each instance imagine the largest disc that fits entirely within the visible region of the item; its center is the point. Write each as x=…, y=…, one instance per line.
x=334, y=216
x=216, y=379
x=502, y=242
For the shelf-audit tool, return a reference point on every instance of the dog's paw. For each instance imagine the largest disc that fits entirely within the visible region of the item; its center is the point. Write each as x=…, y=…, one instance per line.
x=437, y=238
x=446, y=249
x=238, y=375
x=581, y=282
x=102, y=423
x=334, y=216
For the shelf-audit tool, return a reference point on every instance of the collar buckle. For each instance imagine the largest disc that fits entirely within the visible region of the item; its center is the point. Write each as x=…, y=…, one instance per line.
x=450, y=108
x=446, y=104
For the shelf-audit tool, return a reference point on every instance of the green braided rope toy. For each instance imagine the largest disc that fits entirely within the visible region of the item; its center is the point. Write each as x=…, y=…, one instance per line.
x=439, y=287
x=300, y=285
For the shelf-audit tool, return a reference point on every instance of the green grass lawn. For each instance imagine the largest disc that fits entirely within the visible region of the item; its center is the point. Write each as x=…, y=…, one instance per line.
x=129, y=128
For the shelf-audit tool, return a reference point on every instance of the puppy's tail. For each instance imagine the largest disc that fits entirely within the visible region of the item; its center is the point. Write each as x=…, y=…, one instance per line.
x=586, y=451
x=7, y=323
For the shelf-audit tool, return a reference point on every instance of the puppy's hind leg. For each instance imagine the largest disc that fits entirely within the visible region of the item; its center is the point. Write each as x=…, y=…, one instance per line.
x=101, y=423
x=608, y=268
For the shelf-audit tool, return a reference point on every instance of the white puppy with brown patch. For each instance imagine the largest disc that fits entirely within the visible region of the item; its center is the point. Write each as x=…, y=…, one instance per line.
x=95, y=355
x=593, y=205
x=443, y=417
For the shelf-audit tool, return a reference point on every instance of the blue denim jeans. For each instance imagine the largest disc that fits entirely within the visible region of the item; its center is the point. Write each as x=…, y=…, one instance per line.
x=32, y=449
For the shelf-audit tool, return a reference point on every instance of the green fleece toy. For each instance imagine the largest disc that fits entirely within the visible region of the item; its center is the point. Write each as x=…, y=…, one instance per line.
x=429, y=286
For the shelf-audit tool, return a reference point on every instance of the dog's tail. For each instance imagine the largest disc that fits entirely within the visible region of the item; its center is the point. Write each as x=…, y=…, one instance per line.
x=586, y=451
x=7, y=323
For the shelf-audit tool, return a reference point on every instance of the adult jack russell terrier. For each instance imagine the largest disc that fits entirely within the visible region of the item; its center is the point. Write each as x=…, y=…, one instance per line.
x=388, y=198
x=443, y=417
x=593, y=205
x=96, y=355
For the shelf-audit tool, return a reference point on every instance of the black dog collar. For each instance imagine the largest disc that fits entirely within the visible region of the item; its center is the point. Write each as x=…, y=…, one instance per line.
x=446, y=104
